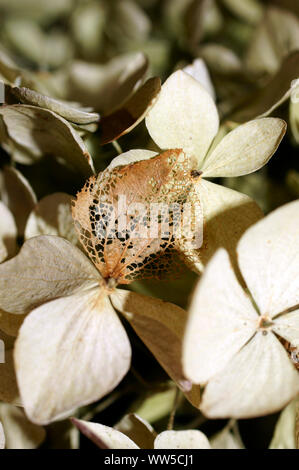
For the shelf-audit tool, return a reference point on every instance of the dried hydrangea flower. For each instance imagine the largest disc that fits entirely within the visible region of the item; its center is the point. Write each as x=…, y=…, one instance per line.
x=8, y=233
x=184, y=116
x=73, y=332
x=232, y=343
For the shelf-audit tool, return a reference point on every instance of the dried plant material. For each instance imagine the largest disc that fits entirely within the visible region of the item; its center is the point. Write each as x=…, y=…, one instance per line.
x=294, y=118
x=62, y=108
x=276, y=37
x=105, y=87
x=52, y=216
x=220, y=59
x=104, y=436
x=275, y=92
x=256, y=141
x=184, y=116
x=228, y=437
x=119, y=240
x=20, y=433
x=227, y=214
x=130, y=21
x=255, y=375
x=18, y=195
x=9, y=392
x=284, y=434
x=160, y=325
x=8, y=233
x=48, y=49
x=26, y=272
x=43, y=132
x=131, y=156
x=110, y=438
x=10, y=323
x=138, y=430
x=250, y=11
x=200, y=72
x=156, y=406
x=123, y=120
x=66, y=321
x=2, y=437
x=192, y=439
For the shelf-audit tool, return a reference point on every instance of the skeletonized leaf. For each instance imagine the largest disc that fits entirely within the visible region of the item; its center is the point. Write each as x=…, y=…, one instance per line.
x=138, y=430
x=46, y=267
x=260, y=379
x=52, y=216
x=192, y=439
x=268, y=259
x=18, y=195
x=184, y=116
x=115, y=220
x=42, y=132
x=69, y=352
x=245, y=149
x=222, y=319
x=20, y=433
x=63, y=108
x=133, y=111
x=104, y=436
x=8, y=233
x=160, y=325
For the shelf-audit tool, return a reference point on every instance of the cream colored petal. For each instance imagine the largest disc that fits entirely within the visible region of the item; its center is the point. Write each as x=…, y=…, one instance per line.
x=2, y=437
x=227, y=214
x=184, y=116
x=200, y=72
x=18, y=195
x=269, y=260
x=8, y=233
x=160, y=326
x=42, y=132
x=221, y=320
x=284, y=433
x=20, y=433
x=287, y=326
x=192, y=439
x=52, y=216
x=104, y=436
x=63, y=108
x=259, y=380
x=47, y=267
x=70, y=352
x=138, y=430
x=245, y=149
x=131, y=156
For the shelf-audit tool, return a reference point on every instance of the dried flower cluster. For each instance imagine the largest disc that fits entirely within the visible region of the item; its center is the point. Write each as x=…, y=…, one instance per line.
x=149, y=242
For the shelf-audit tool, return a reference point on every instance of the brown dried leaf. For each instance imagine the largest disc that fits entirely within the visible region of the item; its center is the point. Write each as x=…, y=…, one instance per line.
x=118, y=240
x=124, y=119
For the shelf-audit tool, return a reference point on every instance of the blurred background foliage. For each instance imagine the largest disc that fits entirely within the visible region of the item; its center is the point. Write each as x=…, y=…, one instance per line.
x=77, y=50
